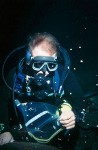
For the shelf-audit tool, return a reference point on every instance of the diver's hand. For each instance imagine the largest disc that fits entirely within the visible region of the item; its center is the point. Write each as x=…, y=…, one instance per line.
x=67, y=119
x=6, y=137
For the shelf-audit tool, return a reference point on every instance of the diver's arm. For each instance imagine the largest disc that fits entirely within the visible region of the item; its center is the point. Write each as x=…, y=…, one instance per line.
x=75, y=96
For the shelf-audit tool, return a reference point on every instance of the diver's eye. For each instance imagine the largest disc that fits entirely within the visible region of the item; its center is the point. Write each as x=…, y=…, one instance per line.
x=37, y=65
x=52, y=65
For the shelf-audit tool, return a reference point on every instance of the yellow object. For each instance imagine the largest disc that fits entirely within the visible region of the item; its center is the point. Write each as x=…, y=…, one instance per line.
x=65, y=107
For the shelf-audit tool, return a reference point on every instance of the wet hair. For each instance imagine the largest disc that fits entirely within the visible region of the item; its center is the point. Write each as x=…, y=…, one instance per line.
x=38, y=38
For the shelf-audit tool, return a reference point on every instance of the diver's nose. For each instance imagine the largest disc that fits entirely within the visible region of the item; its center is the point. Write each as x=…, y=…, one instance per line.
x=45, y=70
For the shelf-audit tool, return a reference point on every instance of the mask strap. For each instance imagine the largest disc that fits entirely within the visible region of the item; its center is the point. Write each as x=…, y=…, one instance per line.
x=54, y=55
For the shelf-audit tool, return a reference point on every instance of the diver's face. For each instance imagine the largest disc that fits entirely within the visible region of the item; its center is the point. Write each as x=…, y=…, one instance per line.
x=43, y=49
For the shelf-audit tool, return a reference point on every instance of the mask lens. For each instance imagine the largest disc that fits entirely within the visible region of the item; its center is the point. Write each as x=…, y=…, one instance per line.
x=52, y=66
x=37, y=66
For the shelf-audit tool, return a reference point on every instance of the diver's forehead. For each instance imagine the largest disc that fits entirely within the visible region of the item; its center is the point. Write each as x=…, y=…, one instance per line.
x=43, y=49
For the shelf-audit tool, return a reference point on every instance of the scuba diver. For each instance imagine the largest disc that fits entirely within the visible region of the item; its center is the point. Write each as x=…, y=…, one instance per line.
x=43, y=91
